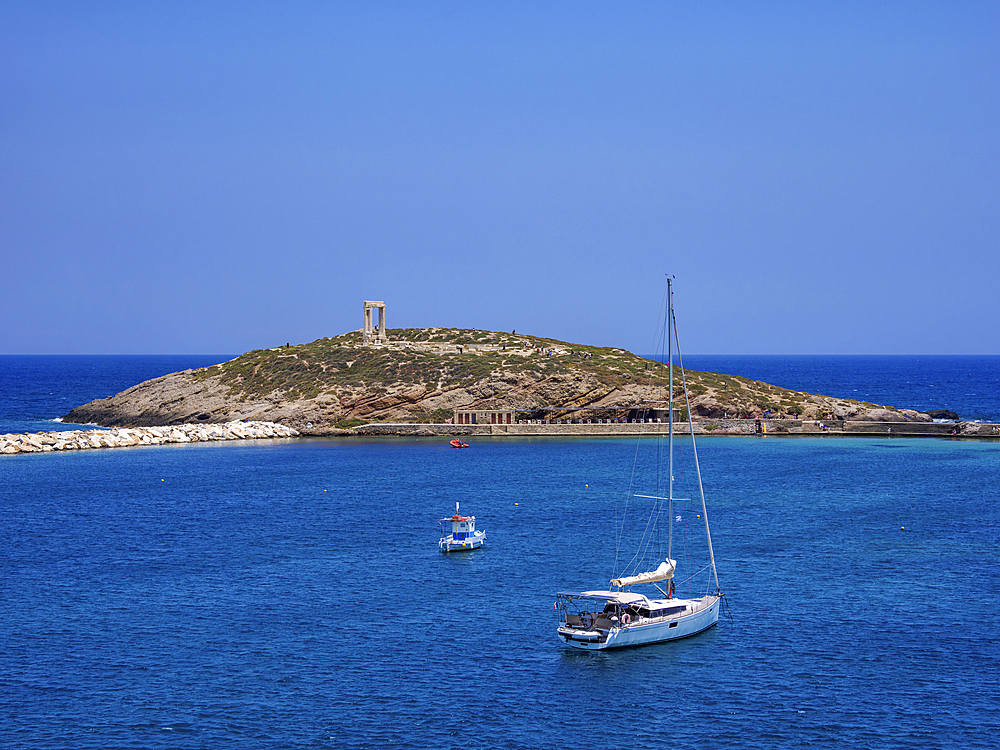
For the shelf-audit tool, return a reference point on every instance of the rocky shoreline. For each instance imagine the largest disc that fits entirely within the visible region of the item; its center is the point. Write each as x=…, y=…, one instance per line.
x=120, y=437
x=427, y=376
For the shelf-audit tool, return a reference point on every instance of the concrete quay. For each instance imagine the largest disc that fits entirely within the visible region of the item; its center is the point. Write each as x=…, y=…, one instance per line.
x=775, y=427
x=45, y=442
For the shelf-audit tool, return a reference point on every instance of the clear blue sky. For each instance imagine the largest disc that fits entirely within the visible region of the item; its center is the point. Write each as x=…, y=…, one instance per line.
x=214, y=177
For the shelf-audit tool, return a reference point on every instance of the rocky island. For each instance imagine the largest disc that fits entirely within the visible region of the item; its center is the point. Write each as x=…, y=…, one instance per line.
x=351, y=383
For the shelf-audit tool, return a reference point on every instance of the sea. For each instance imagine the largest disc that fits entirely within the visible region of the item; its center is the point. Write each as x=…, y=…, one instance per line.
x=290, y=593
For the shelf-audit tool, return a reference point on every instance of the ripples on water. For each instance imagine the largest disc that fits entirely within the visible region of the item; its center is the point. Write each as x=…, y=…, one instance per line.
x=290, y=594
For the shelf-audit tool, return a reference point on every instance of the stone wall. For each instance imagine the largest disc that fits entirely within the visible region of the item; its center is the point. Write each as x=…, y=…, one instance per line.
x=774, y=427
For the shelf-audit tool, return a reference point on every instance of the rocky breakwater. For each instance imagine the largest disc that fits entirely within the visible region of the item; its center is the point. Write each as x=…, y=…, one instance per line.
x=40, y=442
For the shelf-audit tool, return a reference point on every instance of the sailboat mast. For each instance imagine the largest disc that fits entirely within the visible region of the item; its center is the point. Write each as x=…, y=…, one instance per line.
x=697, y=465
x=670, y=419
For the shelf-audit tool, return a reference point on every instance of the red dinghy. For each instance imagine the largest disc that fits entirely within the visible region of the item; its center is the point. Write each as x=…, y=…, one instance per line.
x=459, y=444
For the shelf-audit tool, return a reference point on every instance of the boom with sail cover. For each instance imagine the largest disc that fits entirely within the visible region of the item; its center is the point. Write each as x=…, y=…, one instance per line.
x=663, y=572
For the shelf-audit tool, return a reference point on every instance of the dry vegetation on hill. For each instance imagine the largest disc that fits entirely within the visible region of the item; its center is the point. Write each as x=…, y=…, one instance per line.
x=424, y=374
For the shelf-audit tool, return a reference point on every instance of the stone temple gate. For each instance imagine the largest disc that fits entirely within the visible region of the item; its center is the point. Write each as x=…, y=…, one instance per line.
x=374, y=334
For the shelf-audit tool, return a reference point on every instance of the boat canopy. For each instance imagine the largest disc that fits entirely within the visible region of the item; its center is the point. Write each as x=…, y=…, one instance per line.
x=662, y=573
x=622, y=597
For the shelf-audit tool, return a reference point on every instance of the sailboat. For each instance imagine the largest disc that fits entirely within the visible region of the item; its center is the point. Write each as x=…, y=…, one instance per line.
x=618, y=616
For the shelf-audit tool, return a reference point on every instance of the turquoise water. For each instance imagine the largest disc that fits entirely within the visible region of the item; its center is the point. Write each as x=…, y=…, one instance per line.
x=290, y=594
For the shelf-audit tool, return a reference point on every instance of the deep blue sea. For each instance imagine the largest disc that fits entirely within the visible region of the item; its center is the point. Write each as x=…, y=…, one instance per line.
x=289, y=594
x=967, y=385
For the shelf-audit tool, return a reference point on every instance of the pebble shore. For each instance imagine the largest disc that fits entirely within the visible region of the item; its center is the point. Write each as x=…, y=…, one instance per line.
x=122, y=437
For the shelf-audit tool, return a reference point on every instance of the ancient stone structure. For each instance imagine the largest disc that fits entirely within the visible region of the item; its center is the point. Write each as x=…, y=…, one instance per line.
x=484, y=416
x=375, y=334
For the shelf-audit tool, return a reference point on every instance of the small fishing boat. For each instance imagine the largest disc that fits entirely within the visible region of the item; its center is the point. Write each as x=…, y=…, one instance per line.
x=617, y=617
x=463, y=534
x=458, y=444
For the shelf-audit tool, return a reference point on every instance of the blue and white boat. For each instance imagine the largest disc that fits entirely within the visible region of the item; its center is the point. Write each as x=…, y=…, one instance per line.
x=463, y=534
x=618, y=617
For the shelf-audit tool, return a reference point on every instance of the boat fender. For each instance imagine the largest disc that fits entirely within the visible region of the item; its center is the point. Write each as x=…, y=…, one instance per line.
x=626, y=618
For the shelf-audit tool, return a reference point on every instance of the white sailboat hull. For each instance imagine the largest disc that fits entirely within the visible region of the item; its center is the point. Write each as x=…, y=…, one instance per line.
x=704, y=616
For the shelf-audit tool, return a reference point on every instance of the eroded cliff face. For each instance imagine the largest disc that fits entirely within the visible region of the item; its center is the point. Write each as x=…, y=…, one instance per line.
x=424, y=374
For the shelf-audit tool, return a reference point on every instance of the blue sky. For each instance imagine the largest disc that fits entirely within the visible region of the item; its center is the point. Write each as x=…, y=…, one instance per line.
x=218, y=177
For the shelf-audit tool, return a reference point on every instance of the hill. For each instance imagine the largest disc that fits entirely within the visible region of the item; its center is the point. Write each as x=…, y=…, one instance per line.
x=421, y=375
